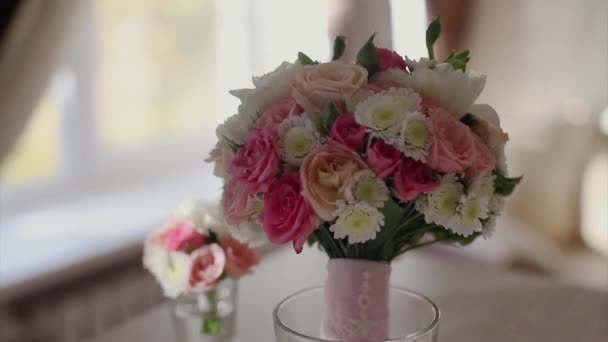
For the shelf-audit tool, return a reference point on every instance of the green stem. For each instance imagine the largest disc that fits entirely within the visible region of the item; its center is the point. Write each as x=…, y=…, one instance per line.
x=212, y=323
x=421, y=245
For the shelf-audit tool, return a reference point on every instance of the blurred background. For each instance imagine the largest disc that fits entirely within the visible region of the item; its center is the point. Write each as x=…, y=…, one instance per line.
x=109, y=107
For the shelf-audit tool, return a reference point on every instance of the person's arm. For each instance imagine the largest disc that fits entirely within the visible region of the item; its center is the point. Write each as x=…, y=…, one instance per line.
x=455, y=19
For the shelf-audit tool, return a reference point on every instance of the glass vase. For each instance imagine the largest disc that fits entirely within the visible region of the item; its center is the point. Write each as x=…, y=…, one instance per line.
x=206, y=316
x=356, y=305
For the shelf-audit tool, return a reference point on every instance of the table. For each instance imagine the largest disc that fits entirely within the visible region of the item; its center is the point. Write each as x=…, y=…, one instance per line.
x=478, y=303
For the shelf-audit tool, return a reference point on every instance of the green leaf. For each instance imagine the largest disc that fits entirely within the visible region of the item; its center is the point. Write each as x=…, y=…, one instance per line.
x=305, y=60
x=311, y=240
x=211, y=326
x=504, y=186
x=393, y=214
x=339, y=46
x=459, y=59
x=367, y=56
x=432, y=34
x=328, y=116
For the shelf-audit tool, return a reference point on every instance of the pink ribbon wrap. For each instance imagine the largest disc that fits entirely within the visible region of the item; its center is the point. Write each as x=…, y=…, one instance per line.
x=356, y=300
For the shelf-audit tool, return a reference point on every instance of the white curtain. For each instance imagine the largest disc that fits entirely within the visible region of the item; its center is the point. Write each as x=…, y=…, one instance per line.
x=33, y=48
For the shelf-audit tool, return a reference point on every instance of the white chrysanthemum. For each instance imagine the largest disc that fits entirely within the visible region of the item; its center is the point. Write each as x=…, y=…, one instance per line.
x=171, y=269
x=408, y=98
x=496, y=205
x=454, y=90
x=422, y=63
x=439, y=205
x=482, y=186
x=297, y=138
x=269, y=89
x=417, y=134
x=358, y=221
x=202, y=215
x=383, y=114
x=366, y=187
x=469, y=213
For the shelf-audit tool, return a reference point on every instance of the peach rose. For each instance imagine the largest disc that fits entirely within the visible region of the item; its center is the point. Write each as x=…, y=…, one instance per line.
x=315, y=86
x=484, y=160
x=325, y=175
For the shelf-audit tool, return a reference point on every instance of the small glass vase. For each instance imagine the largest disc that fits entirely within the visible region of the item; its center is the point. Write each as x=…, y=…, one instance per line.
x=356, y=305
x=208, y=316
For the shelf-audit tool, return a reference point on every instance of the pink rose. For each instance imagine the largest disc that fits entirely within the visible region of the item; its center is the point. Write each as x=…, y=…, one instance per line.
x=275, y=114
x=239, y=257
x=388, y=59
x=315, y=86
x=183, y=237
x=256, y=163
x=236, y=202
x=207, y=266
x=348, y=132
x=484, y=161
x=287, y=215
x=383, y=158
x=427, y=104
x=453, y=149
x=222, y=156
x=414, y=178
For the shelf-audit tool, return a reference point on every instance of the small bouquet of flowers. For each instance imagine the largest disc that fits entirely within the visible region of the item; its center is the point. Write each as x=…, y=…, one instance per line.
x=192, y=254
x=368, y=159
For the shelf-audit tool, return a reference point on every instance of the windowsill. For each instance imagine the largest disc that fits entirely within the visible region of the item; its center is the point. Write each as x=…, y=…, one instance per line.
x=46, y=246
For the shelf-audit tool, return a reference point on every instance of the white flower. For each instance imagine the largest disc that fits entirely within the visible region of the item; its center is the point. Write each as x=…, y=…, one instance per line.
x=392, y=75
x=357, y=97
x=235, y=129
x=422, y=63
x=417, y=133
x=454, y=90
x=202, y=215
x=249, y=231
x=171, y=269
x=439, y=205
x=358, y=221
x=366, y=187
x=496, y=205
x=384, y=113
x=469, y=212
x=297, y=138
x=269, y=89
x=473, y=207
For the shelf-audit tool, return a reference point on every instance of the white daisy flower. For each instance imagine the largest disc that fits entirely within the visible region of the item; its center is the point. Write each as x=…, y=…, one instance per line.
x=297, y=138
x=358, y=221
x=473, y=207
x=469, y=212
x=366, y=187
x=383, y=113
x=496, y=205
x=439, y=205
x=416, y=132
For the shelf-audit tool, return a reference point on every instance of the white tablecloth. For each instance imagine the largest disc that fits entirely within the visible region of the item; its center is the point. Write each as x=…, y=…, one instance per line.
x=477, y=303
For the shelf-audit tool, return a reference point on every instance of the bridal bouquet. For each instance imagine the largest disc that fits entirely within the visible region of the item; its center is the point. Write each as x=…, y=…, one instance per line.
x=192, y=254
x=368, y=159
